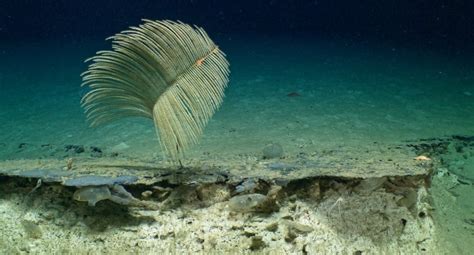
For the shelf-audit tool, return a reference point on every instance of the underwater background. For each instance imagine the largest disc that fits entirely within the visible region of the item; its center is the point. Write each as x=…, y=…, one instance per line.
x=308, y=75
x=327, y=72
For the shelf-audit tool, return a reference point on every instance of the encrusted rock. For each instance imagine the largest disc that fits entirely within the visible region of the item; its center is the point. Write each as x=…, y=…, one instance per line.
x=256, y=243
x=255, y=202
x=247, y=203
x=213, y=193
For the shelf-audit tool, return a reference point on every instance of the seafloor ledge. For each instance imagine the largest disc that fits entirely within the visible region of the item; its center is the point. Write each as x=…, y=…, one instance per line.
x=364, y=200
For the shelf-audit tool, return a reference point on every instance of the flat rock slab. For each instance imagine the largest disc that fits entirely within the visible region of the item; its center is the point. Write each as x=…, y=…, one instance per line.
x=350, y=163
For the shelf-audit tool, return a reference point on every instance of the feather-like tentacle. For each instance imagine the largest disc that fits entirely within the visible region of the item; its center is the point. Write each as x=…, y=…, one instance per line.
x=164, y=70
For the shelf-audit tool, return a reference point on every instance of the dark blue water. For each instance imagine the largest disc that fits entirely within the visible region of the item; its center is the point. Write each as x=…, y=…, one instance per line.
x=439, y=24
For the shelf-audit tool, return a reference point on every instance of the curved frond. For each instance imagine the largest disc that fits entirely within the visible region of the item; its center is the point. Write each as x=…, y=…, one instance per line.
x=164, y=70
